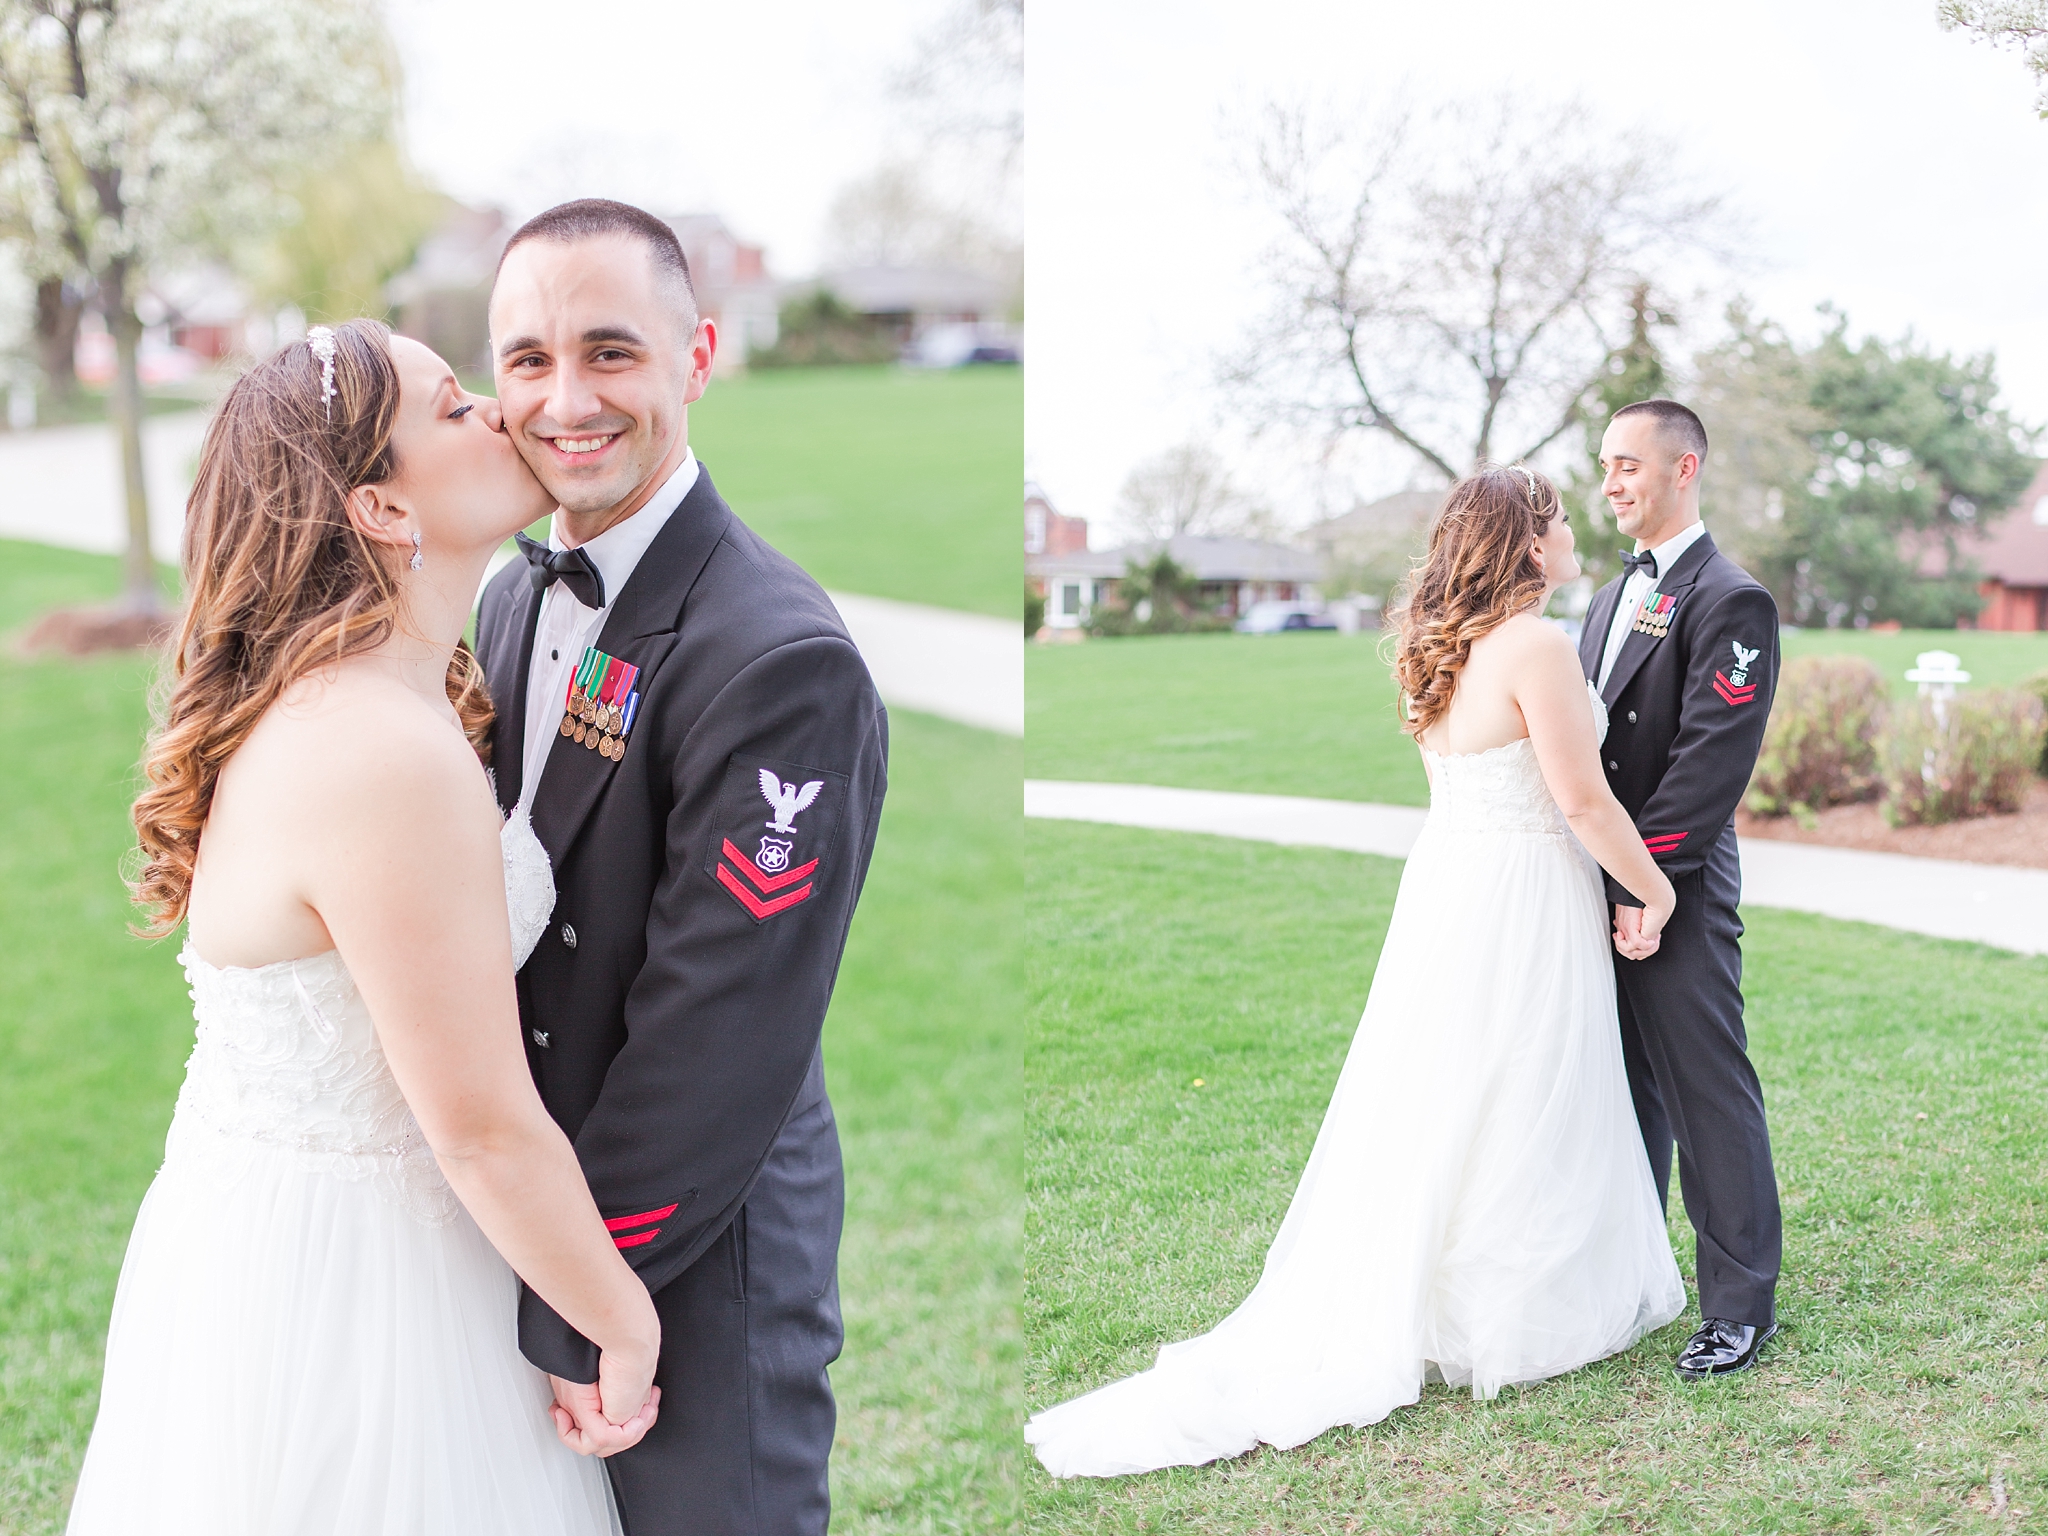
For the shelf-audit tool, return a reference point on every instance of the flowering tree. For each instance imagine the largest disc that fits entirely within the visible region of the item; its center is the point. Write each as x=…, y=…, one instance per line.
x=2021, y=24
x=141, y=130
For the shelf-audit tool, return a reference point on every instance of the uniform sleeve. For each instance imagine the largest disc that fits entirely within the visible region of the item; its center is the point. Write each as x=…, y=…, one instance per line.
x=1730, y=675
x=777, y=792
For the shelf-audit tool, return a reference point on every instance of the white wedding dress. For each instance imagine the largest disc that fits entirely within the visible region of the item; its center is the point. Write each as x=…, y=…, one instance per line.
x=1478, y=1207
x=311, y=1337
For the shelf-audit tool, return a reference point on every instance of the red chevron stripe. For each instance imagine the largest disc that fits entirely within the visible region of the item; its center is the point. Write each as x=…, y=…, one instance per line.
x=636, y=1239
x=1666, y=842
x=753, y=903
x=1731, y=693
x=767, y=883
x=620, y=1223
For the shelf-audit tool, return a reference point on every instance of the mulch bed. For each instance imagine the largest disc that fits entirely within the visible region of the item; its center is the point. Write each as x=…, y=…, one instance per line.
x=2021, y=838
x=87, y=631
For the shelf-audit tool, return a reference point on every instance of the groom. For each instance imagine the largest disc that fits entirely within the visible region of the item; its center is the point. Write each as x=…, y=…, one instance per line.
x=704, y=757
x=1683, y=648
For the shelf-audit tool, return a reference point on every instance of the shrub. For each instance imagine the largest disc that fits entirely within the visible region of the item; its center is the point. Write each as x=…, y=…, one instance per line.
x=1981, y=760
x=1820, y=747
x=2037, y=685
x=1034, y=613
x=819, y=330
x=1155, y=597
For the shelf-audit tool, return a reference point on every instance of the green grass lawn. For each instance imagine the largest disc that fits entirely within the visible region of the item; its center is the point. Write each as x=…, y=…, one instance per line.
x=922, y=1053
x=1290, y=714
x=886, y=481
x=1907, y=1080
x=1313, y=714
x=1993, y=660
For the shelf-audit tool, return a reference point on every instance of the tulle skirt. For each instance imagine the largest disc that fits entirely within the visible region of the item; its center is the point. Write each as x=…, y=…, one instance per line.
x=294, y=1353
x=1478, y=1206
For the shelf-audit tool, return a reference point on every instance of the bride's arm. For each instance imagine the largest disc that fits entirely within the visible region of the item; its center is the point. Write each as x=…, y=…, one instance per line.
x=413, y=894
x=1550, y=690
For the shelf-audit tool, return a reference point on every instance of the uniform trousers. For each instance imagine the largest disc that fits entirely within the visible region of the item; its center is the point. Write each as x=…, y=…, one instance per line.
x=1689, y=1073
x=744, y=1435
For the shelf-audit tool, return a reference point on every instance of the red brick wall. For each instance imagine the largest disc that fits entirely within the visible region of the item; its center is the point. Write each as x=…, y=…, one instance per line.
x=2013, y=608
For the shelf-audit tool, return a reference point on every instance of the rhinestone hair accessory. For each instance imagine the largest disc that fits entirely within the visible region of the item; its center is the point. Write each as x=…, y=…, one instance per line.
x=1529, y=480
x=321, y=340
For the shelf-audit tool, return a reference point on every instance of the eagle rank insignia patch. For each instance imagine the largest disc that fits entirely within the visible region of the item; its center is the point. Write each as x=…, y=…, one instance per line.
x=1735, y=687
x=775, y=828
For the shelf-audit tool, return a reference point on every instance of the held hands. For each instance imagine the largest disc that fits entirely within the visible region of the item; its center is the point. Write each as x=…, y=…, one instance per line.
x=1638, y=931
x=592, y=1417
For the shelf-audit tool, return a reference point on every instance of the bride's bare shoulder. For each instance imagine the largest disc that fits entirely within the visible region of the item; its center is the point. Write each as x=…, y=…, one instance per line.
x=350, y=734
x=1532, y=638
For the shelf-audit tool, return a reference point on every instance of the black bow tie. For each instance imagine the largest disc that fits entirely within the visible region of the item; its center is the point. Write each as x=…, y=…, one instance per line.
x=1643, y=562
x=571, y=567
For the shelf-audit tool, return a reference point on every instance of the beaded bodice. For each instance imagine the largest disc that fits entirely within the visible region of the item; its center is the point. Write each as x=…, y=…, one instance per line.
x=286, y=1060
x=1500, y=790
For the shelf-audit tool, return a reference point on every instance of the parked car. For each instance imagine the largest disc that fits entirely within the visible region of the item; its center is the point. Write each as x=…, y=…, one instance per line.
x=1274, y=617
x=962, y=343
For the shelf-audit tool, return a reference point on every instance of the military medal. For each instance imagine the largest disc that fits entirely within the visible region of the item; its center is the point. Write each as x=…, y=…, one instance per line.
x=1654, y=617
x=601, y=702
x=600, y=706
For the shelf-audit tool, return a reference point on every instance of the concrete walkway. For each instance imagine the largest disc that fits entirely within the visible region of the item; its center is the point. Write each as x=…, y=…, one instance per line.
x=1989, y=903
x=62, y=485
x=967, y=667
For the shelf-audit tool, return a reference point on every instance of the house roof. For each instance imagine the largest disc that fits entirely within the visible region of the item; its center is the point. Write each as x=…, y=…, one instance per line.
x=459, y=255
x=1206, y=559
x=207, y=294
x=1403, y=509
x=2014, y=550
x=914, y=290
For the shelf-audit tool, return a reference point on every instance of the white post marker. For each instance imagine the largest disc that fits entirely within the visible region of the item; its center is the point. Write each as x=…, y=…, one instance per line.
x=1939, y=674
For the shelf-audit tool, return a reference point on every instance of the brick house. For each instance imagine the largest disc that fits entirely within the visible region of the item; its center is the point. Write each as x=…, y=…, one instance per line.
x=2013, y=556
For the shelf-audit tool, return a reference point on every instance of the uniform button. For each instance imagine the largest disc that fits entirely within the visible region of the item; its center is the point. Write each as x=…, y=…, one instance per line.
x=1631, y=717
x=540, y=1038
x=568, y=936
x=1611, y=763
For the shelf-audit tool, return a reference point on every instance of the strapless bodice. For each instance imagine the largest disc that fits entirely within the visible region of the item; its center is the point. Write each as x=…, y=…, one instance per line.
x=1501, y=790
x=286, y=1058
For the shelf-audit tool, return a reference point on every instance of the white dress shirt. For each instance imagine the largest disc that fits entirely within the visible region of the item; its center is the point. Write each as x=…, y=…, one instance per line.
x=565, y=627
x=1639, y=588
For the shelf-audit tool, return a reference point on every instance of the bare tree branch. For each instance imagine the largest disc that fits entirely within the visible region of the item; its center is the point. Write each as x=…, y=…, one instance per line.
x=1453, y=281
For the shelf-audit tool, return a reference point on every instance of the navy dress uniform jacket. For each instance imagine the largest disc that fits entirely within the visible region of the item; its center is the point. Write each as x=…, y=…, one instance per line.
x=1687, y=701
x=1686, y=709
x=706, y=874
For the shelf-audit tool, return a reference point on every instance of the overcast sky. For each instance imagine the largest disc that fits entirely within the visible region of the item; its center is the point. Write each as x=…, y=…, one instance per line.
x=1885, y=165
x=759, y=113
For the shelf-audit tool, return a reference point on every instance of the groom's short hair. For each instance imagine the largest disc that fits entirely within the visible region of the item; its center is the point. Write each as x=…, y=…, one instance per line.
x=590, y=217
x=1678, y=424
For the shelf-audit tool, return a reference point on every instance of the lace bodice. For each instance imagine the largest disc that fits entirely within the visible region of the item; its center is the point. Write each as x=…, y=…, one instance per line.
x=529, y=885
x=286, y=1057
x=1500, y=790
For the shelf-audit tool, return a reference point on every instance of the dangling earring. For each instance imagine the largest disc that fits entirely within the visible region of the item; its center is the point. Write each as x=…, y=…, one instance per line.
x=417, y=560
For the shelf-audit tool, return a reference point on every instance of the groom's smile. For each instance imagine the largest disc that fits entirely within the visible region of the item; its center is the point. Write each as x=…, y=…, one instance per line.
x=598, y=354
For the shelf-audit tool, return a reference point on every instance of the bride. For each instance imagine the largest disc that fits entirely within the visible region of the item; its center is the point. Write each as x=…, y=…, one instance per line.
x=314, y=1329
x=1478, y=1208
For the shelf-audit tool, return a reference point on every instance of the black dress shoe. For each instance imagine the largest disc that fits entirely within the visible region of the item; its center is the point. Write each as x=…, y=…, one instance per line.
x=1720, y=1347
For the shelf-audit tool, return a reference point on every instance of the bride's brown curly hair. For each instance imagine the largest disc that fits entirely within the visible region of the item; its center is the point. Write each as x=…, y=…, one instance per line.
x=1479, y=573
x=279, y=582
